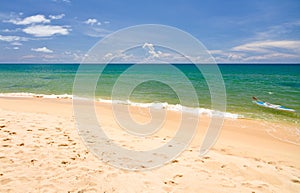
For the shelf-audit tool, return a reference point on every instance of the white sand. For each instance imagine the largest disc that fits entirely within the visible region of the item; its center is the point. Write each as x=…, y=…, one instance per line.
x=41, y=151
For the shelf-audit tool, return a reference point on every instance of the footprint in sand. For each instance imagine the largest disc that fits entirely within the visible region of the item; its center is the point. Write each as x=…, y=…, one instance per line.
x=58, y=129
x=178, y=176
x=257, y=159
x=65, y=162
x=33, y=161
x=5, y=181
x=174, y=161
x=205, y=158
x=63, y=145
x=21, y=144
x=199, y=160
x=295, y=181
x=12, y=133
x=271, y=163
x=170, y=182
x=50, y=142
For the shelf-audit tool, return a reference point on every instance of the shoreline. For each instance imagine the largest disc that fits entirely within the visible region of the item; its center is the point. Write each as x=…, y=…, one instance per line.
x=40, y=146
x=67, y=99
x=160, y=105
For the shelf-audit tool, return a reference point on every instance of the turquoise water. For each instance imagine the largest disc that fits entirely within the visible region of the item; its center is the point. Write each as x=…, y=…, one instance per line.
x=277, y=84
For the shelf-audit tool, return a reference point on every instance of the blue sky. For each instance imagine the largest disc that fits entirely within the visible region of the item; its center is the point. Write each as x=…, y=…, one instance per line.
x=53, y=31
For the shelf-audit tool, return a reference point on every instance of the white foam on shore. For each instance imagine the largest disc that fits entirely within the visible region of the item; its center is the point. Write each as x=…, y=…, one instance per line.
x=33, y=95
x=154, y=105
x=177, y=107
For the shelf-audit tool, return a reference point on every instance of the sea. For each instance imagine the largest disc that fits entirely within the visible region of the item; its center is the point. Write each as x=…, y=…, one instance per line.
x=274, y=83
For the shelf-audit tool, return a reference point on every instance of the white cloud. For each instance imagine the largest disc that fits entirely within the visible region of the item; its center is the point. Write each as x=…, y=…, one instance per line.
x=108, y=56
x=215, y=51
x=92, y=21
x=6, y=30
x=57, y=16
x=265, y=46
x=43, y=49
x=147, y=53
x=11, y=30
x=281, y=57
x=97, y=32
x=12, y=38
x=106, y=22
x=46, y=30
x=48, y=56
x=65, y=1
x=29, y=56
x=29, y=20
x=277, y=31
x=261, y=51
x=151, y=50
x=16, y=44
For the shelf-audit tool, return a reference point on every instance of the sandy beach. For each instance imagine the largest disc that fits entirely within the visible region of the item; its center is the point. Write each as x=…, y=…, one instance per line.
x=41, y=151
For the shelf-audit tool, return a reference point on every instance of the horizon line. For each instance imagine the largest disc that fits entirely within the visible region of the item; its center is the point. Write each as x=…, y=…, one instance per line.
x=221, y=63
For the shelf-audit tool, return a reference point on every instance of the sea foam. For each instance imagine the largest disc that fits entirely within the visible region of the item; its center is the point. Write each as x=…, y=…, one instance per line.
x=174, y=107
x=33, y=95
x=154, y=105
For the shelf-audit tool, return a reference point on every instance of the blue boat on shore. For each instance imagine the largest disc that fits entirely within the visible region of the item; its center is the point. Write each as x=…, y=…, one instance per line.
x=271, y=106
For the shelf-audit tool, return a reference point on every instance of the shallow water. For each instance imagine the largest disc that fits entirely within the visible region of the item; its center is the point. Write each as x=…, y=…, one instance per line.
x=277, y=84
